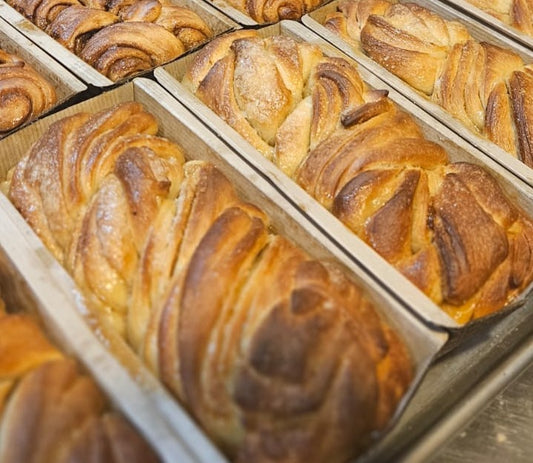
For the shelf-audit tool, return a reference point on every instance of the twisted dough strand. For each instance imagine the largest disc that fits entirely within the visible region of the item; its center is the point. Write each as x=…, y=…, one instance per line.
x=263, y=344
x=368, y=163
x=268, y=11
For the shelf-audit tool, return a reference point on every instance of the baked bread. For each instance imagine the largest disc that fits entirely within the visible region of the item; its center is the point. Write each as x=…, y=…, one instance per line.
x=278, y=356
x=50, y=410
x=263, y=11
x=75, y=25
x=484, y=86
x=24, y=93
x=41, y=12
x=368, y=163
x=514, y=13
x=123, y=49
x=118, y=38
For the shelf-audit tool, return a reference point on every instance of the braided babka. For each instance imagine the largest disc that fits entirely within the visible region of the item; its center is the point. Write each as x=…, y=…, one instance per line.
x=448, y=227
x=280, y=357
x=514, y=13
x=485, y=87
x=270, y=11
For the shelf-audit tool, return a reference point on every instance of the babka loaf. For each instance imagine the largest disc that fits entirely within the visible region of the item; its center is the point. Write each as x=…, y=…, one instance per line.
x=515, y=13
x=278, y=356
x=24, y=93
x=487, y=88
x=52, y=412
x=118, y=38
x=446, y=226
x=263, y=11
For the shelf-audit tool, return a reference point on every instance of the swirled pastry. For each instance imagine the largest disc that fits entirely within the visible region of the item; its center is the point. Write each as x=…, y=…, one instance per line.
x=41, y=12
x=50, y=410
x=484, y=86
x=123, y=49
x=119, y=38
x=141, y=10
x=24, y=93
x=263, y=11
x=184, y=23
x=278, y=356
x=74, y=26
x=447, y=226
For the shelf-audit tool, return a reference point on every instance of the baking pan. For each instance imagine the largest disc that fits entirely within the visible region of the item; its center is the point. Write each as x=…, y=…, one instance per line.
x=492, y=22
x=478, y=31
x=458, y=149
x=177, y=124
x=64, y=83
x=85, y=72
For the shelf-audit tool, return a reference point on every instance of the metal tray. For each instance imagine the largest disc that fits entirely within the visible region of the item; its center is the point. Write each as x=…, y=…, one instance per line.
x=490, y=21
x=64, y=83
x=478, y=31
x=85, y=72
x=169, y=76
x=177, y=124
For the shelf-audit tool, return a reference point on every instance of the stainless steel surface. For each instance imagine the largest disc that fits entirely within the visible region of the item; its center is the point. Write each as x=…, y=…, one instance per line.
x=501, y=432
x=477, y=30
x=169, y=76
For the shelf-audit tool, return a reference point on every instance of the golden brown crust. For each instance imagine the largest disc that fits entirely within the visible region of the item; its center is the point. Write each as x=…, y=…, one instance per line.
x=41, y=12
x=278, y=356
x=24, y=93
x=514, y=13
x=185, y=24
x=143, y=10
x=118, y=38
